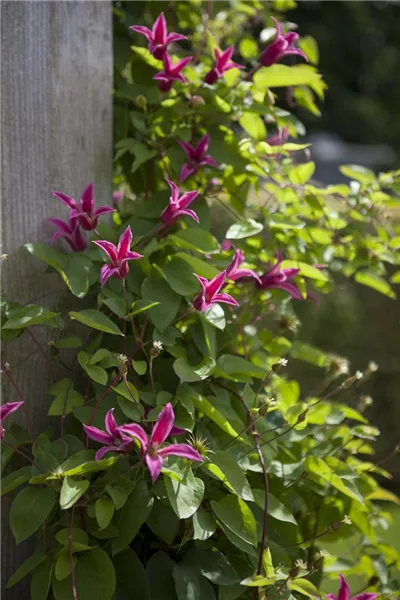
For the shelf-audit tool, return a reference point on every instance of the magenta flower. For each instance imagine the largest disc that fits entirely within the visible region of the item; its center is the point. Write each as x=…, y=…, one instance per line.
x=196, y=157
x=280, y=279
x=221, y=65
x=171, y=73
x=71, y=232
x=283, y=45
x=84, y=212
x=226, y=245
x=344, y=593
x=158, y=36
x=118, y=255
x=178, y=205
x=278, y=138
x=209, y=294
x=234, y=273
x=6, y=410
x=113, y=441
x=151, y=448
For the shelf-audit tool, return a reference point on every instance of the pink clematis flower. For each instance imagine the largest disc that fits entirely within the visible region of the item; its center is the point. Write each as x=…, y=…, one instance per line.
x=71, y=232
x=84, y=212
x=178, y=205
x=280, y=279
x=158, y=36
x=209, y=294
x=226, y=245
x=283, y=45
x=344, y=593
x=6, y=410
x=221, y=65
x=171, y=73
x=278, y=138
x=113, y=440
x=151, y=448
x=196, y=157
x=234, y=273
x=118, y=255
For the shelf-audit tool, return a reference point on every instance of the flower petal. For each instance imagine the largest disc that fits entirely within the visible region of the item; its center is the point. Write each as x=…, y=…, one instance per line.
x=8, y=408
x=202, y=146
x=240, y=273
x=106, y=272
x=98, y=435
x=365, y=596
x=142, y=30
x=87, y=198
x=102, y=451
x=188, y=213
x=288, y=287
x=174, y=37
x=67, y=200
x=183, y=450
x=216, y=283
x=111, y=424
x=125, y=242
x=135, y=431
x=188, y=149
x=108, y=248
x=225, y=299
x=344, y=590
x=187, y=171
x=163, y=426
x=187, y=198
x=103, y=210
x=174, y=191
x=159, y=29
x=62, y=225
x=154, y=464
x=209, y=161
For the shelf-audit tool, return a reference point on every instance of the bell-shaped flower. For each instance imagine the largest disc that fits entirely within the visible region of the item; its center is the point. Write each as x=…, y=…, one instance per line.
x=278, y=138
x=151, y=448
x=70, y=232
x=209, y=294
x=171, y=73
x=6, y=410
x=84, y=211
x=113, y=439
x=221, y=65
x=280, y=279
x=283, y=45
x=196, y=157
x=234, y=273
x=118, y=255
x=344, y=593
x=158, y=36
x=178, y=205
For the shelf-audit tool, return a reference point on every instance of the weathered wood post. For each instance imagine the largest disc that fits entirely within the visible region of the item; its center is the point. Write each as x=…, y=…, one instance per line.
x=56, y=86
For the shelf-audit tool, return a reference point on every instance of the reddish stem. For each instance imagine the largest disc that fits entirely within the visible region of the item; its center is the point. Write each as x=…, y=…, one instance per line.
x=100, y=400
x=43, y=353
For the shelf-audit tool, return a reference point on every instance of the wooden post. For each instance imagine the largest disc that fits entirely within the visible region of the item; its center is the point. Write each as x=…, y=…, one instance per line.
x=56, y=96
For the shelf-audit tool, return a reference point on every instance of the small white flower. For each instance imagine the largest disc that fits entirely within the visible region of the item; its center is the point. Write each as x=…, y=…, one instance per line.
x=323, y=553
x=4, y=256
x=372, y=367
x=347, y=520
x=122, y=358
x=359, y=375
x=158, y=346
x=283, y=362
x=300, y=564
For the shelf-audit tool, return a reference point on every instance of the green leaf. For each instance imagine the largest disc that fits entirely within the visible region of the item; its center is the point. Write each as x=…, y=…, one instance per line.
x=32, y=315
x=317, y=466
x=179, y=276
x=63, y=565
x=79, y=539
x=214, y=566
x=190, y=373
x=27, y=566
x=279, y=221
x=69, y=342
x=94, y=578
x=374, y=281
x=361, y=174
x=40, y=581
x=29, y=510
x=104, y=512
x=276, y=509
x=309, y=354
x=225, y=467
x=204, y=525
x=132, y=578
x=159, y=570
x=131, y=394
x=304, y=587
x=158, y=290
x=91, y=466
x=71, y=491
x=191, y=586
x=257, y=581
x=310, y=47
x=50, y=256
x=237, y=516
x=215, y=316
x=253, y=124
x=300, y=174
x=116, y=305
x=243, y=229
x=267, y=563
x=96, y=320
x=15, y=479
x=134, y=513
x=118, y=495
x=163, y=522
x=248, y=48
x=76, y=273
x=203, y=405
x=198, y=266
x=284, y=76
x=140, y=366
x=185, y=496
x=238, y=368
x=196, y=239
x=65, y=403
x=305, y=269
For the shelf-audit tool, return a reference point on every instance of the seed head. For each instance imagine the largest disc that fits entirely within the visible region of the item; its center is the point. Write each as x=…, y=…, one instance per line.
x=346, y=520
x=156, y=349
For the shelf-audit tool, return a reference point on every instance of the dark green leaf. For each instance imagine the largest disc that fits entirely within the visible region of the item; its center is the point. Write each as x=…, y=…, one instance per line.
x=134, y=513
x=27, y=566
x=71, y=491
x=185, y=496
x=237, y=516
x=29, y=510
x=159, y=571
x=104, y=511
x=96, y=320
x=158, y=290
x=132, y=579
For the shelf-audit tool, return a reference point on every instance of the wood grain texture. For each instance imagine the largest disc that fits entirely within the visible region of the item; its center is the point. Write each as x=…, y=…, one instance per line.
x=56, y=116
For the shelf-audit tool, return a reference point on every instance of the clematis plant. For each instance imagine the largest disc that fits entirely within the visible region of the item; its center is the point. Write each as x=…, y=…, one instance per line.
x=282, y=46
x=277, y=278
x=196, y=157
x=234, y=273
x=171, y=73
x=344, y=592
x=178, y=205
x=70, y=232
x=223, y=63
x=210, y=293
x=5, y=411
x=113, y=439
x=151, y=448
x=158, y=36
x=119, y=257
x=84, y=212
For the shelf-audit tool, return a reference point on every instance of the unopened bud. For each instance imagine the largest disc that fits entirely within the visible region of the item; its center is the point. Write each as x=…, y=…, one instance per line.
x=302, y=417
x=294, y=572
x=123, y=368
x=335, y=526
x=270, y=403
x=338, y=366
x=197, y=101
x=53, y=350
x=141, y=102
x=350, y=380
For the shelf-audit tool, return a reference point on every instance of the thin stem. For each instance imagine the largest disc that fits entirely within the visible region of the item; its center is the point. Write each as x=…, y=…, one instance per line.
x=43, y=353
x=100, y=400
x=204, y=35
x=310, y=540
x=151, y=373
x=71, y=557
x=28, y=423
x=17, y=450
x=265, y=515
x=388, y=457
x=144, y=241
x=264, y=381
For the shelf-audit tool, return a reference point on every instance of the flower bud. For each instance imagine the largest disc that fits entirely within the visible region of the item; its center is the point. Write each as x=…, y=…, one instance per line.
x=197, y=101
x=141, y=102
